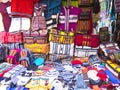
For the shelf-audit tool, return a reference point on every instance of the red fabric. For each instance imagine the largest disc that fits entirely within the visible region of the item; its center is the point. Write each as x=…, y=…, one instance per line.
x=76, y=62
x=22, y=8
x=7, y=37
x=102, y=75
x=87, y=40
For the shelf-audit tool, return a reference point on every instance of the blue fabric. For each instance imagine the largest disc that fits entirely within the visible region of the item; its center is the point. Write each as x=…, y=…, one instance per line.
x=25, y=58
x=112, y=78
x=53, y=7
x=16, y=88
x=31, y=56
x=39, y=61
x=80, y=84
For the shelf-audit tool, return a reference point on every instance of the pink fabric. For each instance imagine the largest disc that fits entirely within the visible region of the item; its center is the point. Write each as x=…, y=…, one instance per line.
x=14, y=59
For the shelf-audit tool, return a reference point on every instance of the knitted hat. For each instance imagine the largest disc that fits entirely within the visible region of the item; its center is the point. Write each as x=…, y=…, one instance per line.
x=76, y=61
x=102, y=75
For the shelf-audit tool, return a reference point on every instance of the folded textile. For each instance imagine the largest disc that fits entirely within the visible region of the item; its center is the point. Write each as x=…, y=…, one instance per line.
x=112, y=78
x=94, y=59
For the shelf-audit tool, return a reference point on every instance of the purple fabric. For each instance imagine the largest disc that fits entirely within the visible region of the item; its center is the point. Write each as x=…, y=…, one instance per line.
x=5, y=15
x=67, y=12
x=117, y=4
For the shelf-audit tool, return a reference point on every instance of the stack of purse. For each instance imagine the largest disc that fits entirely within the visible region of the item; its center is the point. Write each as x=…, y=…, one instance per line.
x=113, y=67
x=36, y=43
x=61, y=43
x=85, y=51
x=110, y=51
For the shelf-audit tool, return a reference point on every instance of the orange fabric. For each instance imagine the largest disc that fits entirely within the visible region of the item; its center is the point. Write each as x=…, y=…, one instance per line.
x=84, y=70
x=95, y=87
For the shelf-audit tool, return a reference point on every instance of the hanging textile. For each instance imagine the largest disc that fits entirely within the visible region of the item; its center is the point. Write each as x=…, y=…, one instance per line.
x=68, y=18
x=117, y=5
x=22, y=8
x=72, y=3
x=5, y=16
x=19, y=24
x=1, y=23
x=96, y=6
x=53, y=7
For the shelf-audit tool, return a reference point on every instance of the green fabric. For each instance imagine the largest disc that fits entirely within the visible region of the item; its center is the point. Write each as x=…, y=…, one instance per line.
x=73, y=3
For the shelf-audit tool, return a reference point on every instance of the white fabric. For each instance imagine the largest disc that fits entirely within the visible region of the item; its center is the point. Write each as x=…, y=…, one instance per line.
x=57, y=85
x=18, y=24
x=69, y=51
x=1, y=24
x=3, y=87
x=85, y=51
x=8, y=9
x=92, y=74
x=22, y=80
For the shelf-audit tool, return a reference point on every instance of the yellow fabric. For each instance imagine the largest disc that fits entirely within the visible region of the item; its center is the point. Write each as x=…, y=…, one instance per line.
x=61, y=36
x=114, y=65
x=38, y=73
x=39, y=84
x=109, y=61
x=33, y=84
x=43, y=86
x=118, y=69
x=38, y=48
x=1, y=24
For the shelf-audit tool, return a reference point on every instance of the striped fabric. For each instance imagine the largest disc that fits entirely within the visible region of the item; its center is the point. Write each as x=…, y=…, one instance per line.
x=52, y=21
x=107, y=47
x=65, y=49
x=94, y=59
x=85, y=51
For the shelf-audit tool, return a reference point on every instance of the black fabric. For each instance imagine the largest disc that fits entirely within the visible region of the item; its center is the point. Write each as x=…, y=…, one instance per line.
x=96, y=6
x=3, y=53
x=32, y=67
